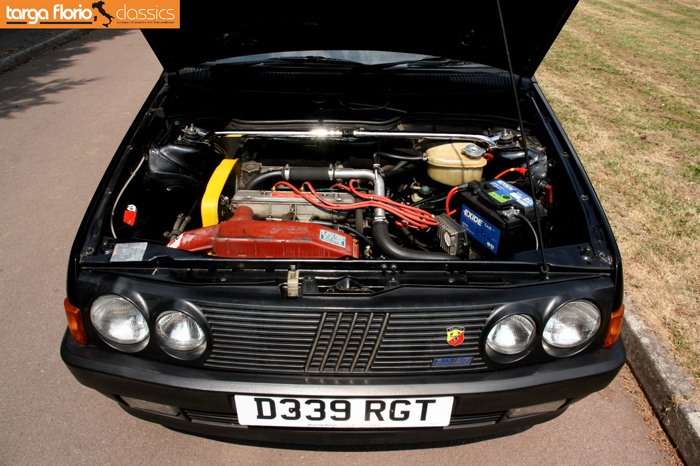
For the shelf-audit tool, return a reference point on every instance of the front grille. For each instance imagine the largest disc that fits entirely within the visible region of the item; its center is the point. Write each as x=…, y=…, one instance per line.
x=205, y=417
x=347, y=342
x=475, y=419
x=229, y=419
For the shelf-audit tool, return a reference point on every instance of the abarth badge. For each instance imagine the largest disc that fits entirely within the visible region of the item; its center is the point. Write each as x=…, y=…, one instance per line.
x=455, y=335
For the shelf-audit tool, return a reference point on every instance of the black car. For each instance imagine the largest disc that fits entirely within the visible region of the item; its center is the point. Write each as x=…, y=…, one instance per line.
x=345, y=229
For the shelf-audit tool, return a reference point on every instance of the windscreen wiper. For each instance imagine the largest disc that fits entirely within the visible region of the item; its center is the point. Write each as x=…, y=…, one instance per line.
x=291, y=60
x=428, y=62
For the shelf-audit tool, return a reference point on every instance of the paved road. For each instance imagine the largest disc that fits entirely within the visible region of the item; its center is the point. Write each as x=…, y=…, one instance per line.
x=61, y=118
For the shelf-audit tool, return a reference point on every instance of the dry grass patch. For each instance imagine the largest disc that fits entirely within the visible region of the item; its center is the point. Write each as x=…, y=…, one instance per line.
x=624, y=78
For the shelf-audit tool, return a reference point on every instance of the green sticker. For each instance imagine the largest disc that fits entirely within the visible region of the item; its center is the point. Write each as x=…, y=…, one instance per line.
x=499, y=198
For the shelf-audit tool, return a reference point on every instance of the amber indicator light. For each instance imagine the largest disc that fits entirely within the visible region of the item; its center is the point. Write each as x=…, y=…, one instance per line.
x=75, y=323
x=615, y=327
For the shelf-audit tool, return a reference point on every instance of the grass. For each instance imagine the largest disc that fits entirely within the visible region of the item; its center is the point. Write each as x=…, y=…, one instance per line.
x=624, y=78
x=679, y=338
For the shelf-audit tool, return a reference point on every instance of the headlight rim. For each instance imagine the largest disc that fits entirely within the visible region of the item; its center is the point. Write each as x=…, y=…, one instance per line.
x=501, y=358
x=123, y=347
x=185, y=355
x=565, y=352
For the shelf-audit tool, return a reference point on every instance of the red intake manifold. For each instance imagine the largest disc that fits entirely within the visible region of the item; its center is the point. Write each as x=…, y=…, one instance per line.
x=241, y=236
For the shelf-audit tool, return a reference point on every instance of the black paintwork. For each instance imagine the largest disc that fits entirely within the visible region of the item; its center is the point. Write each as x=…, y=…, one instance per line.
x=211, y=392
x=586, y=265
x=467, y=32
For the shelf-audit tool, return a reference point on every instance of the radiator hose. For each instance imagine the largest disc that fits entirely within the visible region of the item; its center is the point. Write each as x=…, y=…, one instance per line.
x=380, y=234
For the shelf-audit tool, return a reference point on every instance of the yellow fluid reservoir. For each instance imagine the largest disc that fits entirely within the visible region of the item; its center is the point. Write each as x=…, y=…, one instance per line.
x=448, y=163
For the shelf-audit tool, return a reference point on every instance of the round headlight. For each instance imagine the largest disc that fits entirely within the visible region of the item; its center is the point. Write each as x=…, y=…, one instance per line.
x=511, y=335
x=572, y=325
x=180, y=332
x=119, y=322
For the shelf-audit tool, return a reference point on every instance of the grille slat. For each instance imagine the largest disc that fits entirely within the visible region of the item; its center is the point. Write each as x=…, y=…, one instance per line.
x=244, y=345
x=255, y=339
x=408, y=324
x=341, y=341
x=471, y=419
x=254, y=325
x=417, y=355
x=277, y=358
x=347, y=343
x=331, y=341
x=376, y=346
x=232, y=419
x=223, y=349
x=358, y=352
x=211, y=418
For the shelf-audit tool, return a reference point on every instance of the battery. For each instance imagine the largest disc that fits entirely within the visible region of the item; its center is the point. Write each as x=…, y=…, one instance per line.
x=489, y=212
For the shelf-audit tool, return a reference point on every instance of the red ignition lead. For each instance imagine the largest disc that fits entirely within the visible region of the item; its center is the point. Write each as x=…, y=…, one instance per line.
x=522, y=171
x=452, y=192
x=413, y=216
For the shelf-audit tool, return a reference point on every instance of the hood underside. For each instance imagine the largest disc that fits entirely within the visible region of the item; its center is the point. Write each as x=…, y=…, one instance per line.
x=473, y=34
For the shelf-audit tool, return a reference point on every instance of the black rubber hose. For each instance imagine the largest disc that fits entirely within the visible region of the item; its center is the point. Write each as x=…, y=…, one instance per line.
x=380, y=233
x=261, y=178
x=295, y=173
x=408, y=234
x=359, y=219
x=397, y=169
x=410, y=158
x=308, y=173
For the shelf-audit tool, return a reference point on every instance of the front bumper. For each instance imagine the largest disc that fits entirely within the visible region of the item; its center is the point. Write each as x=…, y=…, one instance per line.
x=205, y=397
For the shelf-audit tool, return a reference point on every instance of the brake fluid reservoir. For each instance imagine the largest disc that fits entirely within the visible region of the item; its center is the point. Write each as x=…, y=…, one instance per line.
x=455, y=163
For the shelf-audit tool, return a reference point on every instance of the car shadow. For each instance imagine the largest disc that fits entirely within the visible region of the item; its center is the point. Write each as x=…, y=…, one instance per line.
x=358, y=448
x=28, y=85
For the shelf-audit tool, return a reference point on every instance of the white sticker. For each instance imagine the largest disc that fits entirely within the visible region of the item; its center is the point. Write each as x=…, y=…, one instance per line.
x=128, y=252
x=175, y=243
x=332, y=237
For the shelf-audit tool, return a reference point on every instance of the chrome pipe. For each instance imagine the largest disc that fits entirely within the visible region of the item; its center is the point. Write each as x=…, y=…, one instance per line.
x=349, y=173
x=304, y=134
x=351, y=134
x=403, y=134
x=372, y=175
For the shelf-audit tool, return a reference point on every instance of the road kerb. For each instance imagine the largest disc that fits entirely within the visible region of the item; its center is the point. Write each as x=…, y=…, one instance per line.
x=9, y=61
x=665, y=384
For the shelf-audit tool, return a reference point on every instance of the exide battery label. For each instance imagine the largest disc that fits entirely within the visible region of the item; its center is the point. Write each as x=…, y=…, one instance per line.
x=506, y=192
x=481, y=230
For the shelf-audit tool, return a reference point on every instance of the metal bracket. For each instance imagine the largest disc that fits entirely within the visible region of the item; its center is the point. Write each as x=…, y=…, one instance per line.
x=293, y=282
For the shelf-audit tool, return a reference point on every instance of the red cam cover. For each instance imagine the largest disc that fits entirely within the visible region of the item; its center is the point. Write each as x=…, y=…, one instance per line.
x=243, y=237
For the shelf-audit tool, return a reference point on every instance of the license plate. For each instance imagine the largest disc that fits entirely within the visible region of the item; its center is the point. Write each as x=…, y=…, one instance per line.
x=280, y=411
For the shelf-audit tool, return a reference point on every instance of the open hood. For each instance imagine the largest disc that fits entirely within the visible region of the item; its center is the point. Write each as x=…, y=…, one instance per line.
x=472, y=33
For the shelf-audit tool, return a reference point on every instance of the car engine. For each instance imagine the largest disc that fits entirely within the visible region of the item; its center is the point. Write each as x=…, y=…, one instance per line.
x=340, y=193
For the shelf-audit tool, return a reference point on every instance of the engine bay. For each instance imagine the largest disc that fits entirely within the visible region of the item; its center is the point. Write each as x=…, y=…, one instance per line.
x=345, y=192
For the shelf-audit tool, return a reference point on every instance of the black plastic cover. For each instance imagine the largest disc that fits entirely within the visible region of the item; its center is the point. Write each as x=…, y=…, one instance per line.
x=183, y=164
